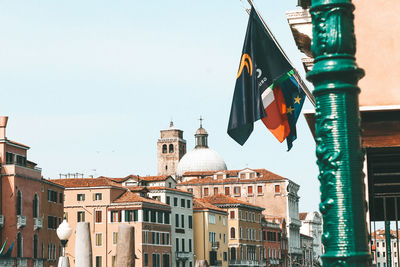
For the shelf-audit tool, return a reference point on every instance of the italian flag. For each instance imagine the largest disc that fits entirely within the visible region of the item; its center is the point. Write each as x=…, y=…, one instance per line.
x=275, y=107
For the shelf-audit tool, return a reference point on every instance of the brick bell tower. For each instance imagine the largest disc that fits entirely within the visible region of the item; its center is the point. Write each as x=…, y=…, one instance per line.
x=170, y=149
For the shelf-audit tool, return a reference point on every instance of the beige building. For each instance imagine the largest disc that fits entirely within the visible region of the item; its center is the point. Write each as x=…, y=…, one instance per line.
x=245, y=242
x=210, y=233
x=105, y=204
x=275, y=194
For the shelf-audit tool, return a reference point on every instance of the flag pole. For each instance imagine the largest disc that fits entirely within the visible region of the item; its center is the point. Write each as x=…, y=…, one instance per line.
x=297, y=75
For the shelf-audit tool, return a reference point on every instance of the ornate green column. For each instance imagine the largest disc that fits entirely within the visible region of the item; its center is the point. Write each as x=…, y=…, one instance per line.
x=388, y=244
x=335, y=76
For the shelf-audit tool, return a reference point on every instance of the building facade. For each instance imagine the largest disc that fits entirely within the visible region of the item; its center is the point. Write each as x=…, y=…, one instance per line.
x=105, y=204
x=210, y=233
x=31, y=207
x=275, y=194
x=311, y=225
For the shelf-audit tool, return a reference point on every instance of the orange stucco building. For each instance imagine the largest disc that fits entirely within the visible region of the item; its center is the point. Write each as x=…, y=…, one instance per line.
x=31, y=207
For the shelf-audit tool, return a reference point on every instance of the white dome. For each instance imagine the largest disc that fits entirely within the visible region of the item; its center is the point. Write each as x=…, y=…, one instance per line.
x=200, y=159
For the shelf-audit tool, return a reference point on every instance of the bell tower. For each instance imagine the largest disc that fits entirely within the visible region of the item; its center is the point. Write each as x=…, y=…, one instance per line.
x=170, y=149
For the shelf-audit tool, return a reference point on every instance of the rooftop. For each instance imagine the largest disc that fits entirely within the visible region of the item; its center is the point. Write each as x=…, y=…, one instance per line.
x=85, y=182
x=221, y=199
x=129, y=197
x=198, y=204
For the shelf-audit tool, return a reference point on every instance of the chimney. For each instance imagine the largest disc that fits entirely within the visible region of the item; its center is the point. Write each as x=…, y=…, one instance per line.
x=3, y=125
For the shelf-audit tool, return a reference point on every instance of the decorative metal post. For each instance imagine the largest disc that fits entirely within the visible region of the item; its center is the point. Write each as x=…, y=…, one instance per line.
x=340, y=158
x=388, y=244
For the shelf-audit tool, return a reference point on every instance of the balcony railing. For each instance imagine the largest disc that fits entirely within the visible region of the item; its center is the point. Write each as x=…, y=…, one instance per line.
x=216, y=263
x=38, y=262
x=22, y=262
x=247, y=263
x=215, y=245
x=21, y=221
x=37, y=223
x=1, y=220
x=181, y=255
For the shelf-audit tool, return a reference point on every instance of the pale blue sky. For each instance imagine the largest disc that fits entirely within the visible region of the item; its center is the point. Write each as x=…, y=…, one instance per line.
x=89, y=84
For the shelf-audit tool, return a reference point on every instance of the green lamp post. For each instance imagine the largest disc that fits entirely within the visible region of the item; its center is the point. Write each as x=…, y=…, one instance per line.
x=340, y=158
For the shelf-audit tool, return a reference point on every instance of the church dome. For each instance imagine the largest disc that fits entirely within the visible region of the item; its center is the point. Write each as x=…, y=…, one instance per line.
x=201, y=159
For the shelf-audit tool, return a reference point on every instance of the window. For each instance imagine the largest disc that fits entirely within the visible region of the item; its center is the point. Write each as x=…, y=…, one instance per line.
x=240, y=233
x=156, y=260
x=227, y=191
x=171, y=148
x=98, y=216
x=131, y=215
x=99, y=239
x=153, y=216
x=160, y=217
x=146, y=215
x=176, y=220
x=250, y=190
x=175, y=201
x=99, y=261
x=35, y=246
x=18, y=207
x=205, y=191
x=242, y=175
x=80, y=197
x=97, y=196
x=212, y=237
x=115, y=216
x=35, y=206
x=232, y=214
x=190, y=220
x=21, y=160
x=177, y=244
x=182, y=203
x=164, y=149
x=168, y=200
x=166, y=218
x=188, y=203
x=51, y=222
x=225, y=256
x=115, y=237
x=165, y=260
x=190, y=245
x=236, y=190
x=183, y=244
x=20, y=246
x=61, y=198
x=9, y=158
x=146, y=259
x=277, y=189
x=183, y=221
x=145, y=237
x=223, y=220
x=259, y=189
x=81, y=216
x=211, y=218
x=233, y=233
x=215, y=190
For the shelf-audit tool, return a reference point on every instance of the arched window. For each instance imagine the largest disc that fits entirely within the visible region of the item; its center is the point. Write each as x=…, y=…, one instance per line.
x=19, y=245
x=233, y=232
x=35, y=206
x=19, y=203
x=171, y=148
x=233, y=253
x=35, y=246
x=164, y=149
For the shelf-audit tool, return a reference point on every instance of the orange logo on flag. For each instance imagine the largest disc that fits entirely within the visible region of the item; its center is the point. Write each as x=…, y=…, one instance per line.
x=243, y=63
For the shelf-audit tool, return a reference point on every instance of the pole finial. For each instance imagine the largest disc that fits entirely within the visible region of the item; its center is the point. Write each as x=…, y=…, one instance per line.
x=201, y=122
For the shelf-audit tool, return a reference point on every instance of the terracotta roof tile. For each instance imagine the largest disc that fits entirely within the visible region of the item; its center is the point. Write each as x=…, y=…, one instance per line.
x=154, y=178
x=204, y=205
x=208, y=178
x=167, y=188
x=132, y=197
x=223, y=199
x=84, y=182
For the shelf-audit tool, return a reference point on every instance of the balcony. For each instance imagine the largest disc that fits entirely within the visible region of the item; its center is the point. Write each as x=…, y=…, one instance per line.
x=273, y=261
x=247, y=263
x=21, y=221
x=22, y=262
x=15, y=169
x=216, y=263
x=37, y=223
x=181, y=255
x=215, y=245
x=1, y=220
x=38, y=262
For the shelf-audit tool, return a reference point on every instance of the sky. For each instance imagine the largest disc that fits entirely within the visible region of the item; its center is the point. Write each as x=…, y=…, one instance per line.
x=88, y=85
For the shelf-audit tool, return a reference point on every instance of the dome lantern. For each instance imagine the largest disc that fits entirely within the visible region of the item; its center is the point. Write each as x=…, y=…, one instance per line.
x=201, y=136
